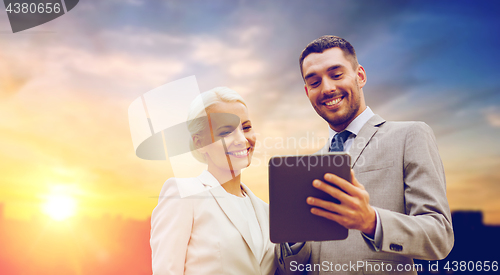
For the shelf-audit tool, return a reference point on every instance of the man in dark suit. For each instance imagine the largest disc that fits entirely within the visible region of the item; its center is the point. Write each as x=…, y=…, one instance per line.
x=396, y=207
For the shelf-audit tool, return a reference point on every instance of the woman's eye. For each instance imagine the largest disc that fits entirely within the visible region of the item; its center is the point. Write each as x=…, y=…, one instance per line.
x=247, y=128
x=223, y=134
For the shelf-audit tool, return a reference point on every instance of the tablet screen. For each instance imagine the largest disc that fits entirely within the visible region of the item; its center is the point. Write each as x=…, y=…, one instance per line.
x=290, y=183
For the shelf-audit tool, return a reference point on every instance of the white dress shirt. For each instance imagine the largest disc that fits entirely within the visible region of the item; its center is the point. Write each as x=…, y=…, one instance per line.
x=244, y=205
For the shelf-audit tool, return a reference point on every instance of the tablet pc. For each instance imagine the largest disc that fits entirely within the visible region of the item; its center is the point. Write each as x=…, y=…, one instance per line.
x=290, y=183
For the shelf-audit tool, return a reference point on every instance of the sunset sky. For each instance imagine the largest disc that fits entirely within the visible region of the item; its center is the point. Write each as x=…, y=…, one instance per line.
x=65, y=88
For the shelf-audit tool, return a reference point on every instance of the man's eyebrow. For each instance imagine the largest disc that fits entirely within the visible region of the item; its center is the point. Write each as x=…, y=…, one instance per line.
x=334, y=67
x=309, y=76
x=331, y=68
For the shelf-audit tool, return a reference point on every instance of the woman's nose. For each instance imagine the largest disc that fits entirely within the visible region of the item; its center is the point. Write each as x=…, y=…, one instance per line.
x=239, y=136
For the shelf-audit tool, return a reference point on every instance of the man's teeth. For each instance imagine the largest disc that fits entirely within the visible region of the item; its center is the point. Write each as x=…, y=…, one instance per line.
x=333, y=102
x=239, y=153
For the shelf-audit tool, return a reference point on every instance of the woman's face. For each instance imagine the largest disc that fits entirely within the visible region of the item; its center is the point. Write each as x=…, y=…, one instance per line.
x=231, y=139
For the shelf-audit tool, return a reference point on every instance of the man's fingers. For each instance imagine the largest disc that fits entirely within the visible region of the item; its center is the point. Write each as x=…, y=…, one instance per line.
x=329, y=215
x=331, y=190
x=328, y=205
x=348, y=187
x=341, y=183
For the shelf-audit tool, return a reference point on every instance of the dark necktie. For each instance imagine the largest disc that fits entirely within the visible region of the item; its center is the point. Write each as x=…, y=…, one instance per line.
x=338, y=141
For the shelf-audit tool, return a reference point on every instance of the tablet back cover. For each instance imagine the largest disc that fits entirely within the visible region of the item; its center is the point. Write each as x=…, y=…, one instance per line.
x=290, y=183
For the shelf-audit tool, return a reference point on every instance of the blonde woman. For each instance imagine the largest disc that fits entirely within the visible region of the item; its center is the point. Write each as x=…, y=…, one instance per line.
x=214, y=224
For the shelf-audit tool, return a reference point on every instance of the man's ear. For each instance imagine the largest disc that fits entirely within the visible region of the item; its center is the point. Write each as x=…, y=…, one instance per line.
x=361, y=76
x=307, y=92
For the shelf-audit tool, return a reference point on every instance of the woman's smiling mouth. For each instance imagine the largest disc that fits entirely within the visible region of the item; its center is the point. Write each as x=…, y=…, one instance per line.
x=240, y=153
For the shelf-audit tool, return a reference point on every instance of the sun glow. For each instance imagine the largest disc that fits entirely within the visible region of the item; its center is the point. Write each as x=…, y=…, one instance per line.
x=60, y=207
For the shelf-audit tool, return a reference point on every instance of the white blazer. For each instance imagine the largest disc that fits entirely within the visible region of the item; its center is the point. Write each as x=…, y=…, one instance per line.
x=196, y=229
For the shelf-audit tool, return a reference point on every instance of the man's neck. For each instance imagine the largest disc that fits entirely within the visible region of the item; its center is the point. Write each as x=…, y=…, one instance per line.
x=341, y=127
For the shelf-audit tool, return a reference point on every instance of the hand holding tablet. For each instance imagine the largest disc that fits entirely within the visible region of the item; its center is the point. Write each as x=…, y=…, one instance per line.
x=290, y=185
x=354, y=210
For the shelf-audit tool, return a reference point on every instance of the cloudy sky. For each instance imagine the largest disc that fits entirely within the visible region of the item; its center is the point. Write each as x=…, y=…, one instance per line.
x=65, y=88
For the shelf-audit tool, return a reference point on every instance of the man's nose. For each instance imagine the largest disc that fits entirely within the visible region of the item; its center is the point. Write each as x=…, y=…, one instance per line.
x=329, y=86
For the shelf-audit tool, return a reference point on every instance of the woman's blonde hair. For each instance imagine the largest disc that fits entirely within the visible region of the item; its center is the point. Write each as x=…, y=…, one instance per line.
x=199, y=108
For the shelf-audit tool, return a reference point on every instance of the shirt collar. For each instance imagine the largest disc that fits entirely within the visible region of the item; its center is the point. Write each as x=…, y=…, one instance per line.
x=356, y=125
x=208, y=179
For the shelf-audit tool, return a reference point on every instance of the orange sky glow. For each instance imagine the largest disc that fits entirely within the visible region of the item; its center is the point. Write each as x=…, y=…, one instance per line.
x=65, y=89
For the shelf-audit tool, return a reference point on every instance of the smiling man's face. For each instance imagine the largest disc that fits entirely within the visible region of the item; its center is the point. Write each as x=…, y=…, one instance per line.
x=334, y=87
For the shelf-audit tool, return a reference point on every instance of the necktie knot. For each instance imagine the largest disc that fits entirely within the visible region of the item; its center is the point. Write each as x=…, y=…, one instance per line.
x=339, y=140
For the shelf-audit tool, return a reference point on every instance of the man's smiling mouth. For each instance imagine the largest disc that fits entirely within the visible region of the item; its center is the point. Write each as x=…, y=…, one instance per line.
x=333, y=101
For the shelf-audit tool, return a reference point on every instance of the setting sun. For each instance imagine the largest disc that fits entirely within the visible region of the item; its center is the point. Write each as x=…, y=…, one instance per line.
x=60, y=207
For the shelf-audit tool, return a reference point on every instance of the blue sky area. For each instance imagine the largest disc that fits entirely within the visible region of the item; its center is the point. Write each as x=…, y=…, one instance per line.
x=433, y=61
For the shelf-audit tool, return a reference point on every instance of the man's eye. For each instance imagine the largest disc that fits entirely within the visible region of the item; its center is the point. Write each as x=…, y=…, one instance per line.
x=314, y=84
x=337, y=75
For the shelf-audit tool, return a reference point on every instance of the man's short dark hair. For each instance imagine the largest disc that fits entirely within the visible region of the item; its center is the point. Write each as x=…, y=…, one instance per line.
x=326, y=42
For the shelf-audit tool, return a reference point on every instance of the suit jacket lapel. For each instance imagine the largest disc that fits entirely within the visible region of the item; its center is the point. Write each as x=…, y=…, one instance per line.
x=262, y=218
x=229, y=208
x=364, y=136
